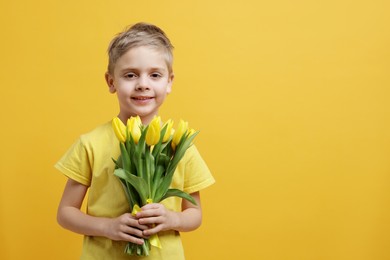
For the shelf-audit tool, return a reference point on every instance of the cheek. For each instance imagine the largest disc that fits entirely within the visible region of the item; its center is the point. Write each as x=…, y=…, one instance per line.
x=123, y=89
x=165, y=91
x=122, y=94
x=165, y=88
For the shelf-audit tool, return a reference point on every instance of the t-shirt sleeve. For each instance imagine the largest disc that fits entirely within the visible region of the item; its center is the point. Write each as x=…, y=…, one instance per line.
x=198, y=175
x=76, y=164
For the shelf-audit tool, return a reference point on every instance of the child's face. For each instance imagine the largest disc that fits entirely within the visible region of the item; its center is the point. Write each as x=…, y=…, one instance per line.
x=141, y=80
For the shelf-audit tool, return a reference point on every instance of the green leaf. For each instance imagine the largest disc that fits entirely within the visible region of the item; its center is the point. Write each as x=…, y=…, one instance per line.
x=126, y=163
x=138, y=183
x=131, y=193
x=167, y=150
x=149, y=171
x=182, y=147
x=184, y=144
x=179, y=193
x=157, y=179
x=118, y=162
x=140, y=148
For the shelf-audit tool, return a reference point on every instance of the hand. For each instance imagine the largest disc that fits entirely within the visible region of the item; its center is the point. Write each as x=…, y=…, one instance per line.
x=157, y=217
x=125, y=228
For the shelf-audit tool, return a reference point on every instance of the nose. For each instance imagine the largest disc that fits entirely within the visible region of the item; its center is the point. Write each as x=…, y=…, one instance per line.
x=142, y=83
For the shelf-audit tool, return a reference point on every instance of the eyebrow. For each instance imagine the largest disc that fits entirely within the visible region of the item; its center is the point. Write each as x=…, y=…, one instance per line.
x=151, y=69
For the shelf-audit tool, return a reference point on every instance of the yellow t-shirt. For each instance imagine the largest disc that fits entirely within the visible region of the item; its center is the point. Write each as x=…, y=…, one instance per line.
x=89, y=162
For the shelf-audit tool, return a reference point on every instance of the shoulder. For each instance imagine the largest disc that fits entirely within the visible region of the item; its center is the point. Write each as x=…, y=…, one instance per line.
x=192, y=155
x=197, y=173
x=99, y=134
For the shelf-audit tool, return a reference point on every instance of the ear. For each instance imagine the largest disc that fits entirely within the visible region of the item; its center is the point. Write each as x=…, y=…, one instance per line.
x=170, y=81
x=110, y=82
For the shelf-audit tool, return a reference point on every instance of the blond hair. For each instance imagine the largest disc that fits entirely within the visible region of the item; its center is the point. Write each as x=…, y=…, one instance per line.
x=140, y=34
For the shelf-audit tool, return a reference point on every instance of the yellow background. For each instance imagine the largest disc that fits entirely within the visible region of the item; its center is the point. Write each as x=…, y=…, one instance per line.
x=291, y=97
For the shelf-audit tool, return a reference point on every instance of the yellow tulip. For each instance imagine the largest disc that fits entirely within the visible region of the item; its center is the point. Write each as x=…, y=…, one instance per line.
x=119, y=129
x=153, y=134
x=168, y=132
x=134, y=127
x=191, y=132
x=179, y=132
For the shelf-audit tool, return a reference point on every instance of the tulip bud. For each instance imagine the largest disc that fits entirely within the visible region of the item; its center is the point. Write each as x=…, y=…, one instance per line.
x=153, y=133
x=168, y=131
x=179, y=132
x=119, y=129
x=134, y=127
x=191, y=132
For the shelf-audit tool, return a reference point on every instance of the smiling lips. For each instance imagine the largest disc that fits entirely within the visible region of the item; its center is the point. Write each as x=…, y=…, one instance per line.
x=142, y=98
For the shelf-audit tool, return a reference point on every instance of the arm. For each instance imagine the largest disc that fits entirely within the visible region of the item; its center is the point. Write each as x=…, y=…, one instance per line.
x=69, y=216
x=190, y=218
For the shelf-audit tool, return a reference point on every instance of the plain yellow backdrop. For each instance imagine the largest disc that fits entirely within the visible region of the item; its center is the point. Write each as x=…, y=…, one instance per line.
x=291, y=98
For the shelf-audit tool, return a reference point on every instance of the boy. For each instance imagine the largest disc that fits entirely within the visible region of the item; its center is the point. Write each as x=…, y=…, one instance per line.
x=140, y=73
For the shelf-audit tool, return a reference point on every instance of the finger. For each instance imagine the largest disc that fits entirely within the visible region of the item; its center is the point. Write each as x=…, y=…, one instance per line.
x=152, y=231
x=146, y=213
x=141, y=226
x=150, y=220
x=132, y=239
x=133, y=231
x=151, y=212
x=134, y=223
x=151, y=206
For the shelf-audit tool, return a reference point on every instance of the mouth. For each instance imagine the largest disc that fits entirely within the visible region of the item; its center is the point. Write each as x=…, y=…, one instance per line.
x=141, y=98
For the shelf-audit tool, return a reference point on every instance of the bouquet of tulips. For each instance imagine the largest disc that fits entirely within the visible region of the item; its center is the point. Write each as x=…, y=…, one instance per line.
x=149, y=157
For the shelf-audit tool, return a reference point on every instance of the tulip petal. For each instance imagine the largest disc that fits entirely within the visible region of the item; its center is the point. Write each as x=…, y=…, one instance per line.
x=119, y=129
x=134, y=125
x=153, y=132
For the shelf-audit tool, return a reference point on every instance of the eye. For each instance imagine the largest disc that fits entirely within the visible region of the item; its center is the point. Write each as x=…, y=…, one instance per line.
x=155, y=75
x=130, y=75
